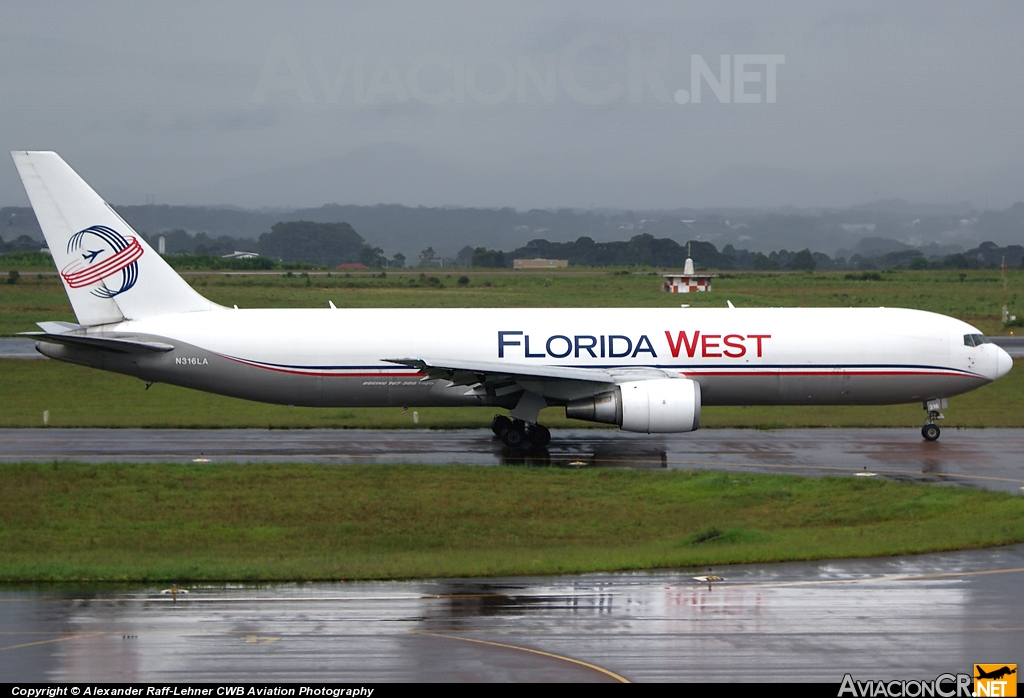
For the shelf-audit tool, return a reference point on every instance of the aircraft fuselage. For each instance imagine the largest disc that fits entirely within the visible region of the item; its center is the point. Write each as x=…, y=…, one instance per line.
x=740, y=356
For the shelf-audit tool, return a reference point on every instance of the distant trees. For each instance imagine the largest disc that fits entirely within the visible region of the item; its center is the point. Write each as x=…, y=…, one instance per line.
x=204, y=261
x=322, y=244
x=864, y=238
x=989, y=254
x=763, y=263
x=204, y=244
x=326, y=244
x=955, y=261
x=640, y=250
x=490, y=259
x=802, y=261
x=23, y=252
x=428, y=259
x=23, y=243
x=373, y=257
x=330, y=244
x=179, y=241
x=647, y=250
x=465, y=257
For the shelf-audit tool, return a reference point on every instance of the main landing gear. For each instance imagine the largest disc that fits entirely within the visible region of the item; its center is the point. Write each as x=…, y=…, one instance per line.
x=518, y=434
x=930, y=431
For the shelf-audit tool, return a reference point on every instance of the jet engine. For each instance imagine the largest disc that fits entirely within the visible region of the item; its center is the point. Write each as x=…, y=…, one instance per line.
x=650, y=406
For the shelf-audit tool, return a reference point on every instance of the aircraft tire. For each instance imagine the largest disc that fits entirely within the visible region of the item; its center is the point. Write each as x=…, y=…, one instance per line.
x=499, y=424
x=515, y=436
x=539, y=436
x=930, y=432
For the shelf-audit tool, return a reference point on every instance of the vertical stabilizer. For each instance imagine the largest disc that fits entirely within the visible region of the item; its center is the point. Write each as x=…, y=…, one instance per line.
x=109, y=272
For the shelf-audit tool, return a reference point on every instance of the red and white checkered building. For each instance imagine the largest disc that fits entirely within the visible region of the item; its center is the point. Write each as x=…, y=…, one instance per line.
x=687, y=283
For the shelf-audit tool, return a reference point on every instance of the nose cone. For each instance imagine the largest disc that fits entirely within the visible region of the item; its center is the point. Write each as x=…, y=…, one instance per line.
x=1004, y=362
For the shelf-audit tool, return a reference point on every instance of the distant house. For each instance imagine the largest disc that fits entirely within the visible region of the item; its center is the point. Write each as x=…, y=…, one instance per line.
x=352, y=266
x=236, y=254
x=539, y=263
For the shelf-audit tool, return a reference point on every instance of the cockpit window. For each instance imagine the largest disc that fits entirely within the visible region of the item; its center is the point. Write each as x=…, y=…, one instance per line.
x=975, y=340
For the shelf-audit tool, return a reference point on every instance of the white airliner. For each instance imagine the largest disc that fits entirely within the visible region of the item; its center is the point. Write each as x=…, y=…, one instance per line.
x=643, y=369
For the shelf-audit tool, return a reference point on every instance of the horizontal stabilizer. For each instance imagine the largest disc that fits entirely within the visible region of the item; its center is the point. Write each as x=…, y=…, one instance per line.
x=57, y=327
x=118, y=344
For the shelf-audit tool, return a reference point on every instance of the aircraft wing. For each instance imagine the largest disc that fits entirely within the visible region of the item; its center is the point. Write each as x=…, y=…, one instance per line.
x=557, y=382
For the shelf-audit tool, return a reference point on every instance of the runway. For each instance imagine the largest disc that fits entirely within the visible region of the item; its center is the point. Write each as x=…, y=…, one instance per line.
x=901, y=618
x=985, y=458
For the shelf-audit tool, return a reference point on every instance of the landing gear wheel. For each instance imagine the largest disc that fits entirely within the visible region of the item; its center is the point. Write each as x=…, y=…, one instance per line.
x=930, y=430
x=515, y=435
x=539, y=436
x=499, y=424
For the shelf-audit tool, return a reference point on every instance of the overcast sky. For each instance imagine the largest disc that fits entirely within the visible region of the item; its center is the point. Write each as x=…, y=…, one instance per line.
x=548, y=104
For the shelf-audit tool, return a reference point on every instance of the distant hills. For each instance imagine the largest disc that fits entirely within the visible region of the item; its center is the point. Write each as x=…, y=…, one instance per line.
x=870, y=231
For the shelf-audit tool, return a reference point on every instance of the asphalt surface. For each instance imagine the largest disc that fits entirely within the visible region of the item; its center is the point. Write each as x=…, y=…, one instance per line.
x=15, y=348
x=898, y=618
x=983, y=458
x=1014, y=346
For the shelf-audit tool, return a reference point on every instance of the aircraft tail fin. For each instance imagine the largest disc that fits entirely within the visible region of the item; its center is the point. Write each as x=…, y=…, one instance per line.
x=109, y=272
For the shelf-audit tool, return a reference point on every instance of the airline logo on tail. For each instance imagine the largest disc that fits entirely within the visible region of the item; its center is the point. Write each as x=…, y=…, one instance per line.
x=99, y=254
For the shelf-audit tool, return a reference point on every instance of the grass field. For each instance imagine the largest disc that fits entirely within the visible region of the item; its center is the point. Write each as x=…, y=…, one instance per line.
x=975, y=296
x=125, y=522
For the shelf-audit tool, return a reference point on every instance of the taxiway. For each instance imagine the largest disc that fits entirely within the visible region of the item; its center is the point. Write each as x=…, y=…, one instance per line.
x=988, y=458
x=899, y=618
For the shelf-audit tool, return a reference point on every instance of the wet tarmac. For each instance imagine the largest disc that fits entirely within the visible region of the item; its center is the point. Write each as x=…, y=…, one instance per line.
x=899, y=618
x=1014, y=346
x=14, y=348
x=984, y=458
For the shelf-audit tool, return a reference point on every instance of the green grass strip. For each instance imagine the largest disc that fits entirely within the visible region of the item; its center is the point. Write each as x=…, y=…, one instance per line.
x=149, y=522
x=975, y=296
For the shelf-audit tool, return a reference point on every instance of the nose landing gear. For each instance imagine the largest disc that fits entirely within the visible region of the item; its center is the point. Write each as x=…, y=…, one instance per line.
x=930, y=431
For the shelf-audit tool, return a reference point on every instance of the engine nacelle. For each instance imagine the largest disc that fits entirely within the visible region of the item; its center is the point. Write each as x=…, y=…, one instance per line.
x=652, y=406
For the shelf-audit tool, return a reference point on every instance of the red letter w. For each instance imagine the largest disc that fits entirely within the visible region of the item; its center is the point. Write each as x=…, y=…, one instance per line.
x=682, y=340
